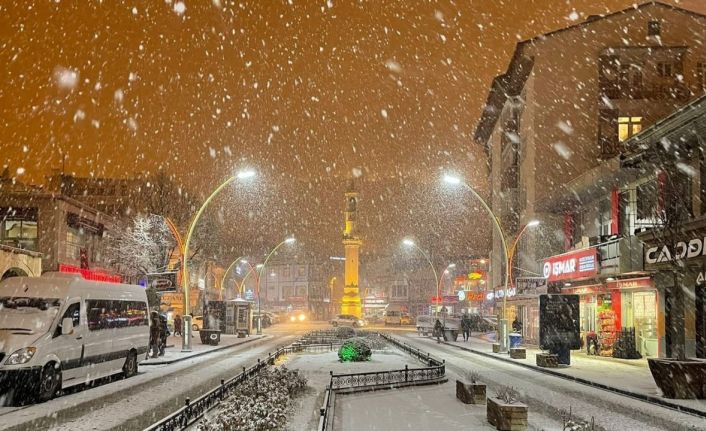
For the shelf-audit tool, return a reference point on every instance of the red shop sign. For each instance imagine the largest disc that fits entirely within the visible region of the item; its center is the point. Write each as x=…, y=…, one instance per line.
x=632, y=283
x=89, y=274
x=572, y=265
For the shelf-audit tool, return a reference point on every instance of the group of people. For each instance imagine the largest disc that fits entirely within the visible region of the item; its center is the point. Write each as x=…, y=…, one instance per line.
x=159, y=331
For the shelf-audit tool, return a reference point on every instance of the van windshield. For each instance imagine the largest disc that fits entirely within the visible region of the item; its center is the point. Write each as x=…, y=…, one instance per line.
x=33, y=315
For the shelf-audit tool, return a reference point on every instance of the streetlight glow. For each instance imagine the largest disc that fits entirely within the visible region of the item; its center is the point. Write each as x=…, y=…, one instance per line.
x=408, y=242
x=451, y=179
x=242, y=175
x=533, y=223
x=290, y=240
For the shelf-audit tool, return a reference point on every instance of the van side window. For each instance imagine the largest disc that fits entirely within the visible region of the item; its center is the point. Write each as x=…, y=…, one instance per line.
x=73, y=311
x=107, y=314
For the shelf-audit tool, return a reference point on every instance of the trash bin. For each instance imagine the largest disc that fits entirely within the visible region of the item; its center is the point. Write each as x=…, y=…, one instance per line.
x=210, y=336
x=515, y=339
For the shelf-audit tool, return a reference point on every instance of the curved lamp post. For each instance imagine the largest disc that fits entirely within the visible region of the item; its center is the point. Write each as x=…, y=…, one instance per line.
x=252, y=270
x=289, y=240
x=531, y=223
x=225, y=274
x=243, y=175
x=449, y=179
x=410, y=243
x=441, y=279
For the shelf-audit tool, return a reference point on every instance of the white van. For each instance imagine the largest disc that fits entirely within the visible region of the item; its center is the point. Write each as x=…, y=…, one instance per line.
x=393, y=314
x=60, y=330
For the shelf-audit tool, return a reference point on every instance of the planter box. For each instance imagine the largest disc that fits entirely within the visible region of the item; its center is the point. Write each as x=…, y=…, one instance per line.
x=496, y=348
x=518, y=353
x=470, y=393
x=547, y=360
x=506, y=417
x=681, y=379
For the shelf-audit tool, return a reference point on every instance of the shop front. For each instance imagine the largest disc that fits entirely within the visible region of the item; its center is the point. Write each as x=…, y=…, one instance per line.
x=618, y=311
x=679, y=268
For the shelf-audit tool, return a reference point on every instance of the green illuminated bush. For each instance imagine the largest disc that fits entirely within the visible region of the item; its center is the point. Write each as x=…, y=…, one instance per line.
x=354, y=350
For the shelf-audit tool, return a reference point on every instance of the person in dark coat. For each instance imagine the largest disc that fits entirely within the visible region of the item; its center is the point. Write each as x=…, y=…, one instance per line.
x=163, y=333
x=438, y=330
x=177, y=325
x=516, y=325
x=154, y=334
x=466, y=326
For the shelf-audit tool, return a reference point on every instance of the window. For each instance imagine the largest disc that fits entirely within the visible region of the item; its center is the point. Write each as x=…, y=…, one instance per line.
x=701, y=75
x=646, y=197
x=628, y=126
x=665, y=69
x=74, y=313
x=107, y=314
x=18, y=227
x=654, y=28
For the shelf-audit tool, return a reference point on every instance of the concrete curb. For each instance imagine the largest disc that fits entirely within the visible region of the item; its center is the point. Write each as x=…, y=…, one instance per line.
x=642, y=397
x=206, y=352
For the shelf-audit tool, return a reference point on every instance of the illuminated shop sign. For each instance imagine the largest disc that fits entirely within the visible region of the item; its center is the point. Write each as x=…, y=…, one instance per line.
x=680, y=251
x=577, y=264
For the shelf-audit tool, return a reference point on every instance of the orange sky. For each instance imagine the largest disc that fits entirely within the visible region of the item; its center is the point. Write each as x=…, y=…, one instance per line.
x=304, y=91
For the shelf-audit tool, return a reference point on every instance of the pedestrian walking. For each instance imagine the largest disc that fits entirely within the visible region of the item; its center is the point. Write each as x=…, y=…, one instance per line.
x=177, y=325
x=154, y=335
x=438, y=330
x=163, y=333
x=466, y=326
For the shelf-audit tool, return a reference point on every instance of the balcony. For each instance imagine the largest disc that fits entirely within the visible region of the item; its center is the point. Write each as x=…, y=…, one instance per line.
x=620, y=255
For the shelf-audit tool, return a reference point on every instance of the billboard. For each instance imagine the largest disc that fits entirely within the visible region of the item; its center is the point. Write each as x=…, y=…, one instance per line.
x=162, y=282
x=559, y=321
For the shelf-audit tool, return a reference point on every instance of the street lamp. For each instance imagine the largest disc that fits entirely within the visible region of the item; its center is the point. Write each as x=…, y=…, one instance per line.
x=453, y=180
x=531, y=223
x=186, y=337
x=289, y=240
x=225, y=274
x=410, y=243
x=446, y=271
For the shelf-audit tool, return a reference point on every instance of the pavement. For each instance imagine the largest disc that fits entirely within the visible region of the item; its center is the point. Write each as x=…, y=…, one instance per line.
x=173, y=352
x=629, y=377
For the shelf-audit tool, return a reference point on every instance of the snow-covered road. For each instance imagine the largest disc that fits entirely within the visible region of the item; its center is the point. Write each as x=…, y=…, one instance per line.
x=548, y=395
x=129, y=404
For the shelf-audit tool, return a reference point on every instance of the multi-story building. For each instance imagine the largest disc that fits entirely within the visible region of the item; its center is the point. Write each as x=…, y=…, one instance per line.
x=554, y=127
x=70, y=235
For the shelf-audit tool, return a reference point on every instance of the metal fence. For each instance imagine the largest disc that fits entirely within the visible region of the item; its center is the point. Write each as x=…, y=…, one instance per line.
x=194, y=410
x=435, y=371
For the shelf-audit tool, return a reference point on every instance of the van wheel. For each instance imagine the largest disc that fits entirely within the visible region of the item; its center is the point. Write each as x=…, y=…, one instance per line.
x=130, y=367
x=194, y=328
x=49, y=382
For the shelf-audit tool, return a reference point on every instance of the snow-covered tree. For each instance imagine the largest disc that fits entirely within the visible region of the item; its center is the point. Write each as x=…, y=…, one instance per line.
x=143, y=248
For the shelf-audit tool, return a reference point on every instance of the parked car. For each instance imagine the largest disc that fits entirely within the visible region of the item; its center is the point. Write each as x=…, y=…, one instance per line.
x=405, y=319
x=393, y=314
x=197, y=323
x=347, y=320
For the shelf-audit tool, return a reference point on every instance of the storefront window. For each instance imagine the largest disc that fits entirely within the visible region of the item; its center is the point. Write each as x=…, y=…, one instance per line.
x=19, y=228
x=644, y=316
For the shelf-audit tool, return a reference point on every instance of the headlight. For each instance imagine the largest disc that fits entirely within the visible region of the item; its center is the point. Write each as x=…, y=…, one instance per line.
x=293, y=319
x=302, y=317
x=361, y=323
x=21, y=356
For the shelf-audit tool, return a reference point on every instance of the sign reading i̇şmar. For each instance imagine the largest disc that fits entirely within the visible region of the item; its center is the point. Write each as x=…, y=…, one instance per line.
x=576, y=264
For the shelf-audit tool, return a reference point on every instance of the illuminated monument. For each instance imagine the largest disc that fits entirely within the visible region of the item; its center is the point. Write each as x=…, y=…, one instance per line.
x=350, y=303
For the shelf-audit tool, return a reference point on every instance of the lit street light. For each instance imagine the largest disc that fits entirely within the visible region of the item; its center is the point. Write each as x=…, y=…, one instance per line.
x=410, y=243
x=531, y=223
x=261, y=267
x=186, y=337
x=453, y=180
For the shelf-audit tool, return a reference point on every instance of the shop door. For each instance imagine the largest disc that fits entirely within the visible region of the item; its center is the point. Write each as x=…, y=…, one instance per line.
x=700, y=321
x=645, y=320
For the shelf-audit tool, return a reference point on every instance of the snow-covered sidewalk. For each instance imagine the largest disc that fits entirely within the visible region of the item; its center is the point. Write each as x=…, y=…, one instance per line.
x=173, y=352
x=632, y=376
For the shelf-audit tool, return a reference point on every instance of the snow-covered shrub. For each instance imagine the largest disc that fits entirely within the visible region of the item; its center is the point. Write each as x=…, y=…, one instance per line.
x=375, y=342
x=576, y=424
x=354, y=350
x=507, y=394
x=261, y=403
x=344, y=332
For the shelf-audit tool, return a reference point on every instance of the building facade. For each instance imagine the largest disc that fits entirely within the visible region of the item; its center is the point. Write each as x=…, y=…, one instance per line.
x=555, y=126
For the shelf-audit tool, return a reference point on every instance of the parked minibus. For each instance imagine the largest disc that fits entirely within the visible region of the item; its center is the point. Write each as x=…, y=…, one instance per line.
x=60, y=330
